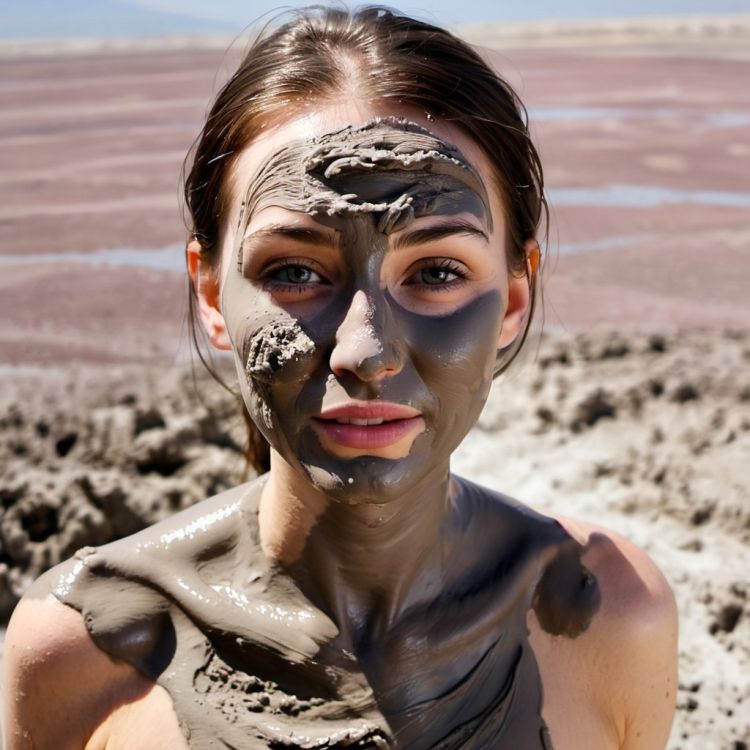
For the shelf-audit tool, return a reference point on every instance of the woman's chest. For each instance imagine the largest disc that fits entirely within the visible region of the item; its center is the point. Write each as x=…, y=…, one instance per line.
x=496, y=694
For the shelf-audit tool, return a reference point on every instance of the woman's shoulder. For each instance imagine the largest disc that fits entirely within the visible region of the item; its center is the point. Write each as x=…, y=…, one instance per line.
x=628, y=655
x=54, y=675
x=633, y=589
x=54, y=671
x=62, y=691
x=635, y=593
x=200, y=524
x=210, y=528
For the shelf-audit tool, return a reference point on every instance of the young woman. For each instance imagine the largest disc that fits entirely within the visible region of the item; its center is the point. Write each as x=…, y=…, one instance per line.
x=366, y=202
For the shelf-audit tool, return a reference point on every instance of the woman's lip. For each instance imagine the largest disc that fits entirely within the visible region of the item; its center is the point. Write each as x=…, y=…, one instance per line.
x=374, y=410
x=367, y=436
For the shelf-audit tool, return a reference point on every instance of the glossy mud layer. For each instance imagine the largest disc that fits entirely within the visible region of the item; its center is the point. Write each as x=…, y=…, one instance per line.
x=250, y=662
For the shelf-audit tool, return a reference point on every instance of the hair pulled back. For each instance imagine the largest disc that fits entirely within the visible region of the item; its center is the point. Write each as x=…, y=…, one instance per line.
x=377, y=54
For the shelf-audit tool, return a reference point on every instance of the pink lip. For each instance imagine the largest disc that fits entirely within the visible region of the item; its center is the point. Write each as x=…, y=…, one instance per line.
x=398, y=421
x=369, y=410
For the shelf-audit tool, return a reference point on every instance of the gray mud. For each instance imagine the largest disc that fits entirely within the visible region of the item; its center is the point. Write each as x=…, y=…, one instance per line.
x=92, y=456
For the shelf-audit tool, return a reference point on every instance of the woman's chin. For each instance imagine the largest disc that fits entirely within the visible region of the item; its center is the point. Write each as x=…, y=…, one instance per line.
x=366, y=479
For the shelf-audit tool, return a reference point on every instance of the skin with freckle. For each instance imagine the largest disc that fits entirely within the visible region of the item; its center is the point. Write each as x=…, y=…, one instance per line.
x=244, y=644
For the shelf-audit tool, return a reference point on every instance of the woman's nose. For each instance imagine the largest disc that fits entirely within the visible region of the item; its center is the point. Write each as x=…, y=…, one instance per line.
x=366, y=341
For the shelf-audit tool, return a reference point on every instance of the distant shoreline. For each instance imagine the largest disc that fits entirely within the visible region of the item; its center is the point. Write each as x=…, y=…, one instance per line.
x=555, y=34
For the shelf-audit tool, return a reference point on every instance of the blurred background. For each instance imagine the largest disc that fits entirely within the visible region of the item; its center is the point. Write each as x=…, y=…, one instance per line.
x=46, y=19
x=633, y=407
x=637, y=108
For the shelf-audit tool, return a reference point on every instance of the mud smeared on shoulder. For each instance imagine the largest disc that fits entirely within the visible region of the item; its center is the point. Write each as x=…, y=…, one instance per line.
x=567, y=596
x=250, y=662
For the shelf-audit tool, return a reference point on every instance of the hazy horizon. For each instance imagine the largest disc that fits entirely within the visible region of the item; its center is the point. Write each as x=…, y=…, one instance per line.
x=49, y=19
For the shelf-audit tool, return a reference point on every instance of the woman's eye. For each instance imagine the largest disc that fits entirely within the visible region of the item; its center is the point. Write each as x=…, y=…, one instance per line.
x=436, y=275
x=295, y=275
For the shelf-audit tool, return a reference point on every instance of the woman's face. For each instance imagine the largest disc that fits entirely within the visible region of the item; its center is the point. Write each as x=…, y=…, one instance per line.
x=365, y=292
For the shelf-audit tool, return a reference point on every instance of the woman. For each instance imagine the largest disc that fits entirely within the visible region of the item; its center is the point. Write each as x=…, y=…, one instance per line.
x=365, y=203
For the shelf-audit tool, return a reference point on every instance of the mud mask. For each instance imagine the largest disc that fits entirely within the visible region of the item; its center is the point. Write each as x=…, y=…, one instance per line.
x=364, y=184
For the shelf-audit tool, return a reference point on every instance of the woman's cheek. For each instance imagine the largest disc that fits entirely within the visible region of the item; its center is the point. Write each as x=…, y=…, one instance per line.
x=271, y=360
x=455, y=356
x=270, y=352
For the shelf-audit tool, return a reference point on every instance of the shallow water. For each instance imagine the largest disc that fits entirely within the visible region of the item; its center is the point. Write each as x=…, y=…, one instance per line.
x=170, y=258
x=645, y=196
x=728, y=119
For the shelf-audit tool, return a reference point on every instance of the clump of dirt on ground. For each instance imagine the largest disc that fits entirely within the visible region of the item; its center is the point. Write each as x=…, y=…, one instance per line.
x=90, y=456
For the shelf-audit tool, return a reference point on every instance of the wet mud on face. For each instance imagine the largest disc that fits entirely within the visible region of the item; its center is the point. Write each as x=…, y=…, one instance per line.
x=363, y=183
x=416, y=174
x=273, y=347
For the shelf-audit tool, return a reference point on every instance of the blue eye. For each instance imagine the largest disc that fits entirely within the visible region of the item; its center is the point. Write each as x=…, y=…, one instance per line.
x=295, y=275
x=438, y=274
x=435, y=275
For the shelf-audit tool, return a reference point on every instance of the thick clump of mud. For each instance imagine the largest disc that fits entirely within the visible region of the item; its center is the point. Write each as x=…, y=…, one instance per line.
x=90, y=457
x=274, y=346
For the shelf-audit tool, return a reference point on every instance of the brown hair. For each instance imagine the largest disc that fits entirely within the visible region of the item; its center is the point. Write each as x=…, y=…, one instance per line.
x=324, y=52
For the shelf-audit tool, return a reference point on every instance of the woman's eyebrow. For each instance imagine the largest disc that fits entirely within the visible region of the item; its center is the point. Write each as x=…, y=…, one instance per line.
x=438, y=232
x=309, y=236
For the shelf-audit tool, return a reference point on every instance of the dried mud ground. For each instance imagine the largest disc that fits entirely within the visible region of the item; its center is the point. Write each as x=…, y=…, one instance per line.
x=648, y=434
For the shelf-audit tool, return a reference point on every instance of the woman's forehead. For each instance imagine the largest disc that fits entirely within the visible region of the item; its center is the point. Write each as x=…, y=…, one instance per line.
x=390, y=169
x=344, y=138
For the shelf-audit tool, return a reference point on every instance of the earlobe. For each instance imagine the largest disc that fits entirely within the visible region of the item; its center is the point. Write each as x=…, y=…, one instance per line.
x=519, y=298
x=206, y=288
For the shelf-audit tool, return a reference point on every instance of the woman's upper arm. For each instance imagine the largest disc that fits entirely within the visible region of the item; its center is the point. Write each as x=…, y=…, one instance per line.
x=46, y=663
x=652, y=673
x=638, y=642
x=59, y=687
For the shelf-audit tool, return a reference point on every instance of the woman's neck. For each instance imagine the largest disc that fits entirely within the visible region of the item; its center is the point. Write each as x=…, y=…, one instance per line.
x=367, y=563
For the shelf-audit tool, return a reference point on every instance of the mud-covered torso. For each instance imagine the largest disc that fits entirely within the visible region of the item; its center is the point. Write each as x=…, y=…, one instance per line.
x=250, y=662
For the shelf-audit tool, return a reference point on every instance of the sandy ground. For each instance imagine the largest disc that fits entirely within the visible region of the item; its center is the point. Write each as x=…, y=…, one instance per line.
x=633, y=410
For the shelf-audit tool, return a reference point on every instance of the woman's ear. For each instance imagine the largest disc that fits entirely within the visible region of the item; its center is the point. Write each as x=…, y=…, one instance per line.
x=519, y=298
x=206, y=289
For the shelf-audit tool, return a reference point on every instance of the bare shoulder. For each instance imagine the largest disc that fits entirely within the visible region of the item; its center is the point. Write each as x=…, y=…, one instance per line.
x=632, y=640
x=59, y=686
x=635, y=592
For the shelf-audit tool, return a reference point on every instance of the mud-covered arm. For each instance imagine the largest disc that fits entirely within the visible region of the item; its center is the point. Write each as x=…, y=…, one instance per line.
x=58, y=686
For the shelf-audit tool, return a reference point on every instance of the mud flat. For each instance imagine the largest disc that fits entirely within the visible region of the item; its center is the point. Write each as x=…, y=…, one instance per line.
x=634, y=412
x=644, y=130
